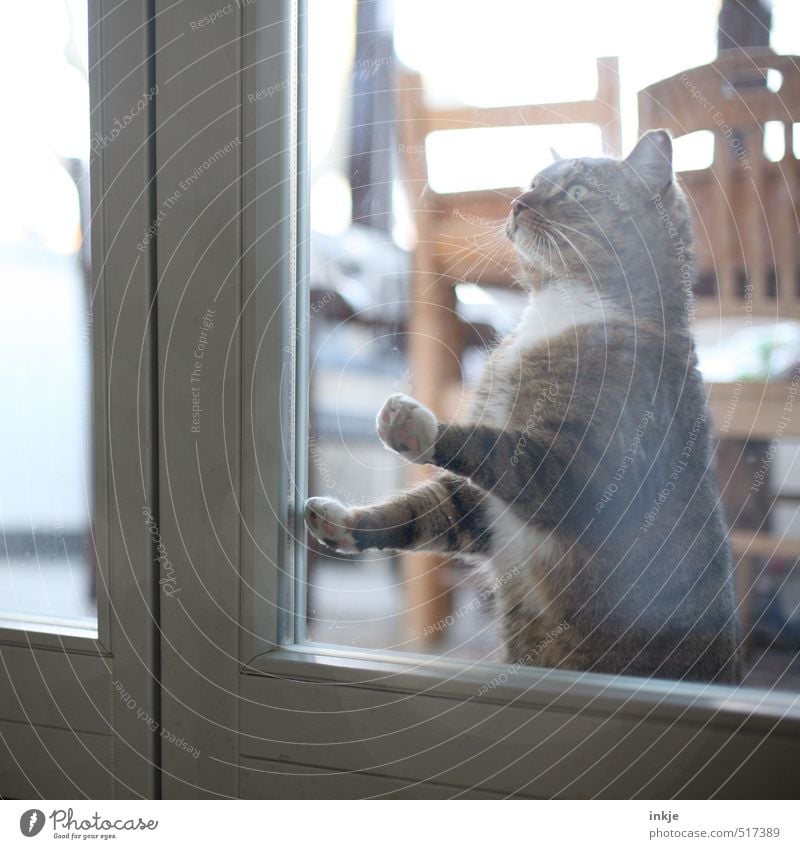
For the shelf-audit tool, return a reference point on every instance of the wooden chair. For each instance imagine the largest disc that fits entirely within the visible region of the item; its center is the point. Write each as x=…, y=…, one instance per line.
x=448, y=250
x=748, y=245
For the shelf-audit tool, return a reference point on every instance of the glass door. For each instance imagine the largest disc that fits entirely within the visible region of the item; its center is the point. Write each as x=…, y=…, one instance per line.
x=78, y=579
x=47, y=575
x=277, y=693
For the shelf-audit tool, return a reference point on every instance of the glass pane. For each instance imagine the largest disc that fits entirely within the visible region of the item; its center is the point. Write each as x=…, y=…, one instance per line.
x=47, y=572
x=414, y=283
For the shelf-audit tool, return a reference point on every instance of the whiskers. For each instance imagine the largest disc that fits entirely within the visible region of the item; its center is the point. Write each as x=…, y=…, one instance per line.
x=549, y=246
x=536, y=240
x=483, y=249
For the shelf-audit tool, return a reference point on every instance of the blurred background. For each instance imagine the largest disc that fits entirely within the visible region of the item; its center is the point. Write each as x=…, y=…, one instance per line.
x=425, y=118
x=46, y=563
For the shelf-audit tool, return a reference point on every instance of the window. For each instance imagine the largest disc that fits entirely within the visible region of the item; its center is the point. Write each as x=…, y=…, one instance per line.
x=226, y=270
x=47, y=567
x=370, y=178
x=79, y=582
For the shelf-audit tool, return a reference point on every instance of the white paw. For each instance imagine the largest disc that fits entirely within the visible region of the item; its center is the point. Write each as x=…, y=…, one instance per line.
x=327, y=519
x=408, y=428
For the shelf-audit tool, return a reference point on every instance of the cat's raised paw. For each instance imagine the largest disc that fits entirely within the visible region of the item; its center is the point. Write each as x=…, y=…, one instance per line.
x=327, y=519
x=408, y=428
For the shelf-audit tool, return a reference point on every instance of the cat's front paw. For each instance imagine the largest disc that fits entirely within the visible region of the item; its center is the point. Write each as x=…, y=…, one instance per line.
x=408, y=428
x=330, y=522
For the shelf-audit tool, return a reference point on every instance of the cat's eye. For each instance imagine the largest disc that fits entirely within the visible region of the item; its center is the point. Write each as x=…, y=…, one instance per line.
x=577, y=192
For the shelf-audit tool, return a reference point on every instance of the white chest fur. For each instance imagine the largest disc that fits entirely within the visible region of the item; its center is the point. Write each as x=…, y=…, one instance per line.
x=520, y=554
x=557, y=310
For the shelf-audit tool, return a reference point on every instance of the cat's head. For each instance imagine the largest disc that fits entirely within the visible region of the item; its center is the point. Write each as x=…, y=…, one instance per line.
x=604, y=222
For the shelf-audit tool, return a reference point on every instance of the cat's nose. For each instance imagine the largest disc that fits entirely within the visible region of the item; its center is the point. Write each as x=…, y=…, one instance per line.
x=521, y=202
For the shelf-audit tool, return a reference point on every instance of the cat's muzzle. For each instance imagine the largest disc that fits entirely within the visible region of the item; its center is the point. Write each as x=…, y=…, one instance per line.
x=511, y=225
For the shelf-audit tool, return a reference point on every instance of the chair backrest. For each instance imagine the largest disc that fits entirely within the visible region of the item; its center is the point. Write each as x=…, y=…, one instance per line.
x=449, y=222
x=744, y=205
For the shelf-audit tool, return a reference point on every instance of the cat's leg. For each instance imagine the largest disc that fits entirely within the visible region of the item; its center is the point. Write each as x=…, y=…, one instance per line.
x=535, y=638
x=445, y=514
x=505, y=463
x=524, y=633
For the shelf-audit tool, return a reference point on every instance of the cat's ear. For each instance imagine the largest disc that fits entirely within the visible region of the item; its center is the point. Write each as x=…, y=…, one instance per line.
x=554, y=154
x=651, y=160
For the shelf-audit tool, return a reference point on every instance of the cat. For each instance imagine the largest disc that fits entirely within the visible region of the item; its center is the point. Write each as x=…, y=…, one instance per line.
x=581, y=483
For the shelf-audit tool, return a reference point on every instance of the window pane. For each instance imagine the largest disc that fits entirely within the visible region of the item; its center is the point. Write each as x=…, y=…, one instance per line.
x=46, y=558
x=413, y=283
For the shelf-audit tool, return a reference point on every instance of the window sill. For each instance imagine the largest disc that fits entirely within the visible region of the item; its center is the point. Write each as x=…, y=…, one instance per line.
x=742, y=708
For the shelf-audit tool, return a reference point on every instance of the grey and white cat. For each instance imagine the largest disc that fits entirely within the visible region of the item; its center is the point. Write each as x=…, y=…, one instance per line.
x=581, y=483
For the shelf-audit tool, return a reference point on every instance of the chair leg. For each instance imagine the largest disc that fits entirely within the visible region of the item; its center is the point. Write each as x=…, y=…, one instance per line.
x=744, y=576
x=435, y=350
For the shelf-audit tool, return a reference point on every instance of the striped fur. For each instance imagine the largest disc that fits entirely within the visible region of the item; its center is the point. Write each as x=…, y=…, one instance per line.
x=584, y=469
